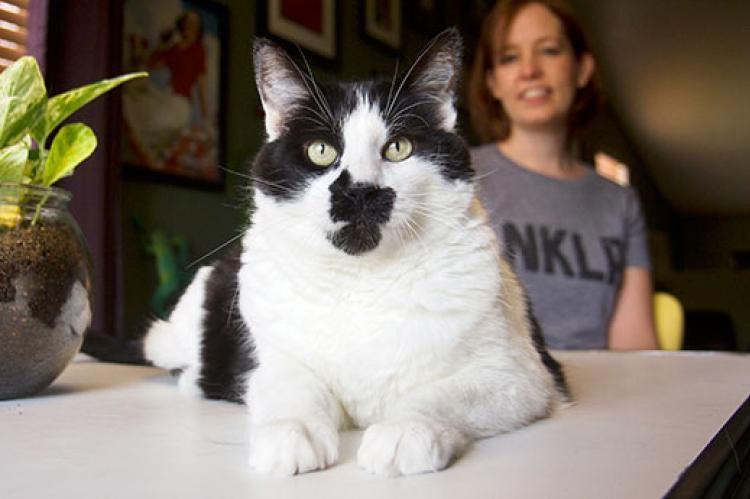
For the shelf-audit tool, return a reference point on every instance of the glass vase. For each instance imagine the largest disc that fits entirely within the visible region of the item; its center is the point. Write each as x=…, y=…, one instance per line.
x=45, y=288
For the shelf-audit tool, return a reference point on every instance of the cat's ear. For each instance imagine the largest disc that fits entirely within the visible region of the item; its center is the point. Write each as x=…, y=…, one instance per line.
x=437, y=71
x=280, y=84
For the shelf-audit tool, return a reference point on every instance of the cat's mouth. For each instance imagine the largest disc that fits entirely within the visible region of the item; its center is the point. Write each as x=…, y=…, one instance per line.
x=364, y=208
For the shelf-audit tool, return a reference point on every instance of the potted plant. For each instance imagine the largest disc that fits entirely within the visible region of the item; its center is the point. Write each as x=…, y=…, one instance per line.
x=45, y=267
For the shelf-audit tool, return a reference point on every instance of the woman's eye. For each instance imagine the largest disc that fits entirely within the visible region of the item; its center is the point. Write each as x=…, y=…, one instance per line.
x=506, y=58
x=321, y=153
x=398, y=149
x=551, y=50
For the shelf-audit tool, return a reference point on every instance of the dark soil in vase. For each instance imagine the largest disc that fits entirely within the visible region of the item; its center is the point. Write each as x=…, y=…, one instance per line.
x=45, y=295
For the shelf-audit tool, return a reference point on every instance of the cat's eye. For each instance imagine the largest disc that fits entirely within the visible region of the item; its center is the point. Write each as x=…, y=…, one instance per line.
x=321, y=153
x=398, y=149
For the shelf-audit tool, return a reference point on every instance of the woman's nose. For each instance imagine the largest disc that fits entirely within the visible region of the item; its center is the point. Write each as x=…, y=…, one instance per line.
x=530, y=66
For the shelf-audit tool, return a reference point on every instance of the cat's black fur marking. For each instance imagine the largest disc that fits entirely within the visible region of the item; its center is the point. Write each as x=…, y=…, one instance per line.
x=283, y=169
x=113, y=349
x=552, y=365
x=365, y=207
x=445, y=149
x=227, y=353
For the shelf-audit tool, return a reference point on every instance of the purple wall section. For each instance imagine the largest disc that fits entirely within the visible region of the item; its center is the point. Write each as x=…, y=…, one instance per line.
x=84, y=46
x=37, y=41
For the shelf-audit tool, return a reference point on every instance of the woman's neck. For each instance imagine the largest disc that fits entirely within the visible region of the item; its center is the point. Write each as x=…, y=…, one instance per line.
x=544, y=152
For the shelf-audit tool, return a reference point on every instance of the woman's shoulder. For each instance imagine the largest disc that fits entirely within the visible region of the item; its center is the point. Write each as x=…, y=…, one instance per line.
x=483, y=152
x=610, y=187
x=487, y=157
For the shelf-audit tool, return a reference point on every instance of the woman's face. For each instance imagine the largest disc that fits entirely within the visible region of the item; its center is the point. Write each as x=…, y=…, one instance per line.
x=191, y=26
x=536, y=74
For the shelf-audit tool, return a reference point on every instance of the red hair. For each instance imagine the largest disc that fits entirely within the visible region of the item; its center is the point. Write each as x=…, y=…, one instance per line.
x=488, y=117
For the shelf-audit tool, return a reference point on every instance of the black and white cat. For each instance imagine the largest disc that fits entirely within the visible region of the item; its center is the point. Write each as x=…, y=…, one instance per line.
x=369, y=290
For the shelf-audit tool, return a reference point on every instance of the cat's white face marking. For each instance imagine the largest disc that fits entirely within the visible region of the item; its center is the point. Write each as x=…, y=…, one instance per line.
x=365, y=133
x=424, y=202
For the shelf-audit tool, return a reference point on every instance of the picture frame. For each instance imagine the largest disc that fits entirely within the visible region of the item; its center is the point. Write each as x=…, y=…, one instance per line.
x=308, y=24
x=382, y=22
x=173, y=121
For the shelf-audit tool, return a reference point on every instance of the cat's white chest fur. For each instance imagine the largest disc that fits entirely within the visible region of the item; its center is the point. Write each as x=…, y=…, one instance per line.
x=371, y=328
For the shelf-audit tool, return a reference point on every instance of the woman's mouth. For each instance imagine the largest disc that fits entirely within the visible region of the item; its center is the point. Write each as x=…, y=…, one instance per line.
x=534, y=94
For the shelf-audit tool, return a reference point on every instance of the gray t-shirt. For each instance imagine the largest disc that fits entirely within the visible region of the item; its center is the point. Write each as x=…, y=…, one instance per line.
x=569, y=240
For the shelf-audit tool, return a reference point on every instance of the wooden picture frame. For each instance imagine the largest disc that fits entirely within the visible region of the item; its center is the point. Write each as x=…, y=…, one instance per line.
x=309, y=24
x=382, y=22
x=173, y=121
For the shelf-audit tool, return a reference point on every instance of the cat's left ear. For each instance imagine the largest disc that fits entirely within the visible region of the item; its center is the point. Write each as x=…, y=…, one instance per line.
x=436, y=72
x=280, y=85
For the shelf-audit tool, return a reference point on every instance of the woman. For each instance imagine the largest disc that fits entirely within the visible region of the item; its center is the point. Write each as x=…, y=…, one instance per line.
x=578, y=241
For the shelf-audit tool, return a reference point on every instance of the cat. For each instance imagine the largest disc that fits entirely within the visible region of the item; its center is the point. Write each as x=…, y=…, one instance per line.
x=369, y=290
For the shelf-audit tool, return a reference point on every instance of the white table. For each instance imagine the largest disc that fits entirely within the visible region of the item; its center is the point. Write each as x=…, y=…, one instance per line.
x=114, y=431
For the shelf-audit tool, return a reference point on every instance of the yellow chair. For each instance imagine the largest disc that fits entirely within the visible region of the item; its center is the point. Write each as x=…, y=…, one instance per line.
x=670, y=321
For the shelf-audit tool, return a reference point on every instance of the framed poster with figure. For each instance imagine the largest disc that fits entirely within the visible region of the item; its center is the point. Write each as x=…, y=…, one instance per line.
x=173, y=120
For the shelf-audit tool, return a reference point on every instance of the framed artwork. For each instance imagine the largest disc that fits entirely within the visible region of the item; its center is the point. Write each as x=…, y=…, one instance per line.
x=382, y=21
x=172, y=121
x=311, y=24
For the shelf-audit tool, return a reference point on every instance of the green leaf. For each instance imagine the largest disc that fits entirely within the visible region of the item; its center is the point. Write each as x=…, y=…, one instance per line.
x=61, y=106
x=72, y=144
x=23, y=99
x=13, y=161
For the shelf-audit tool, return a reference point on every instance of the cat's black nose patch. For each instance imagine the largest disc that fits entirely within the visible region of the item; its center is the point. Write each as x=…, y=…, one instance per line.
x=365, y=207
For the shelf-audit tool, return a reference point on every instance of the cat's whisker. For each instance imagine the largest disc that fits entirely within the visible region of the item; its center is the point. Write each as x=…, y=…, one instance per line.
x=320, y=124
x=315, y=91
x=323, y=120
x=416, y=62
x=234, y=172
x=323, y=102
x=393, y=82
x=412, y=115
x=481, y=176
x=253, y=179
x=310, y=91
x=415, y=228
x=272, y=185
x=427, y=213
x=399, y=111
x=213, y=251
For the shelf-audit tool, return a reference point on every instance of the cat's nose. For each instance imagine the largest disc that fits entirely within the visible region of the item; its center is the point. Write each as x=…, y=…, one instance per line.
x=364, y=208
x=359, y=202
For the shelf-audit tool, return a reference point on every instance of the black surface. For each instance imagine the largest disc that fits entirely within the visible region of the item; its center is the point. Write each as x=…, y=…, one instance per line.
x=722, y=469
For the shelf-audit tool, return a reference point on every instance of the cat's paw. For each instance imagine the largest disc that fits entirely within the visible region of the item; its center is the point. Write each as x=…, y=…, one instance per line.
x=408, y=447
x=290, y=446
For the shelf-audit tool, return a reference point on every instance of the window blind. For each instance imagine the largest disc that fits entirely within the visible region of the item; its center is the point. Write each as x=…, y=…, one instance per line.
x=14, y=16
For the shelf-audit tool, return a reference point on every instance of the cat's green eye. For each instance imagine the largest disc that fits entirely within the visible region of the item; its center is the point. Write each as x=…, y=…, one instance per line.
x=398, y=149
x=321, y=153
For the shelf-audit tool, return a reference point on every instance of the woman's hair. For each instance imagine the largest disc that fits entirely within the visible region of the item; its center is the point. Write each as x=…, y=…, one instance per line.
x=181, y=23
x=487, y=114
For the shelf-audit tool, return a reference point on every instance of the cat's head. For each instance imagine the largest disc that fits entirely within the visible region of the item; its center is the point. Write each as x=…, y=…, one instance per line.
x=362, y=167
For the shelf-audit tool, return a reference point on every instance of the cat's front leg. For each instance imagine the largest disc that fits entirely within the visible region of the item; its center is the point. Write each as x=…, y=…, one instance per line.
x=408, y=446
x=429, y=426
x=294, y=419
